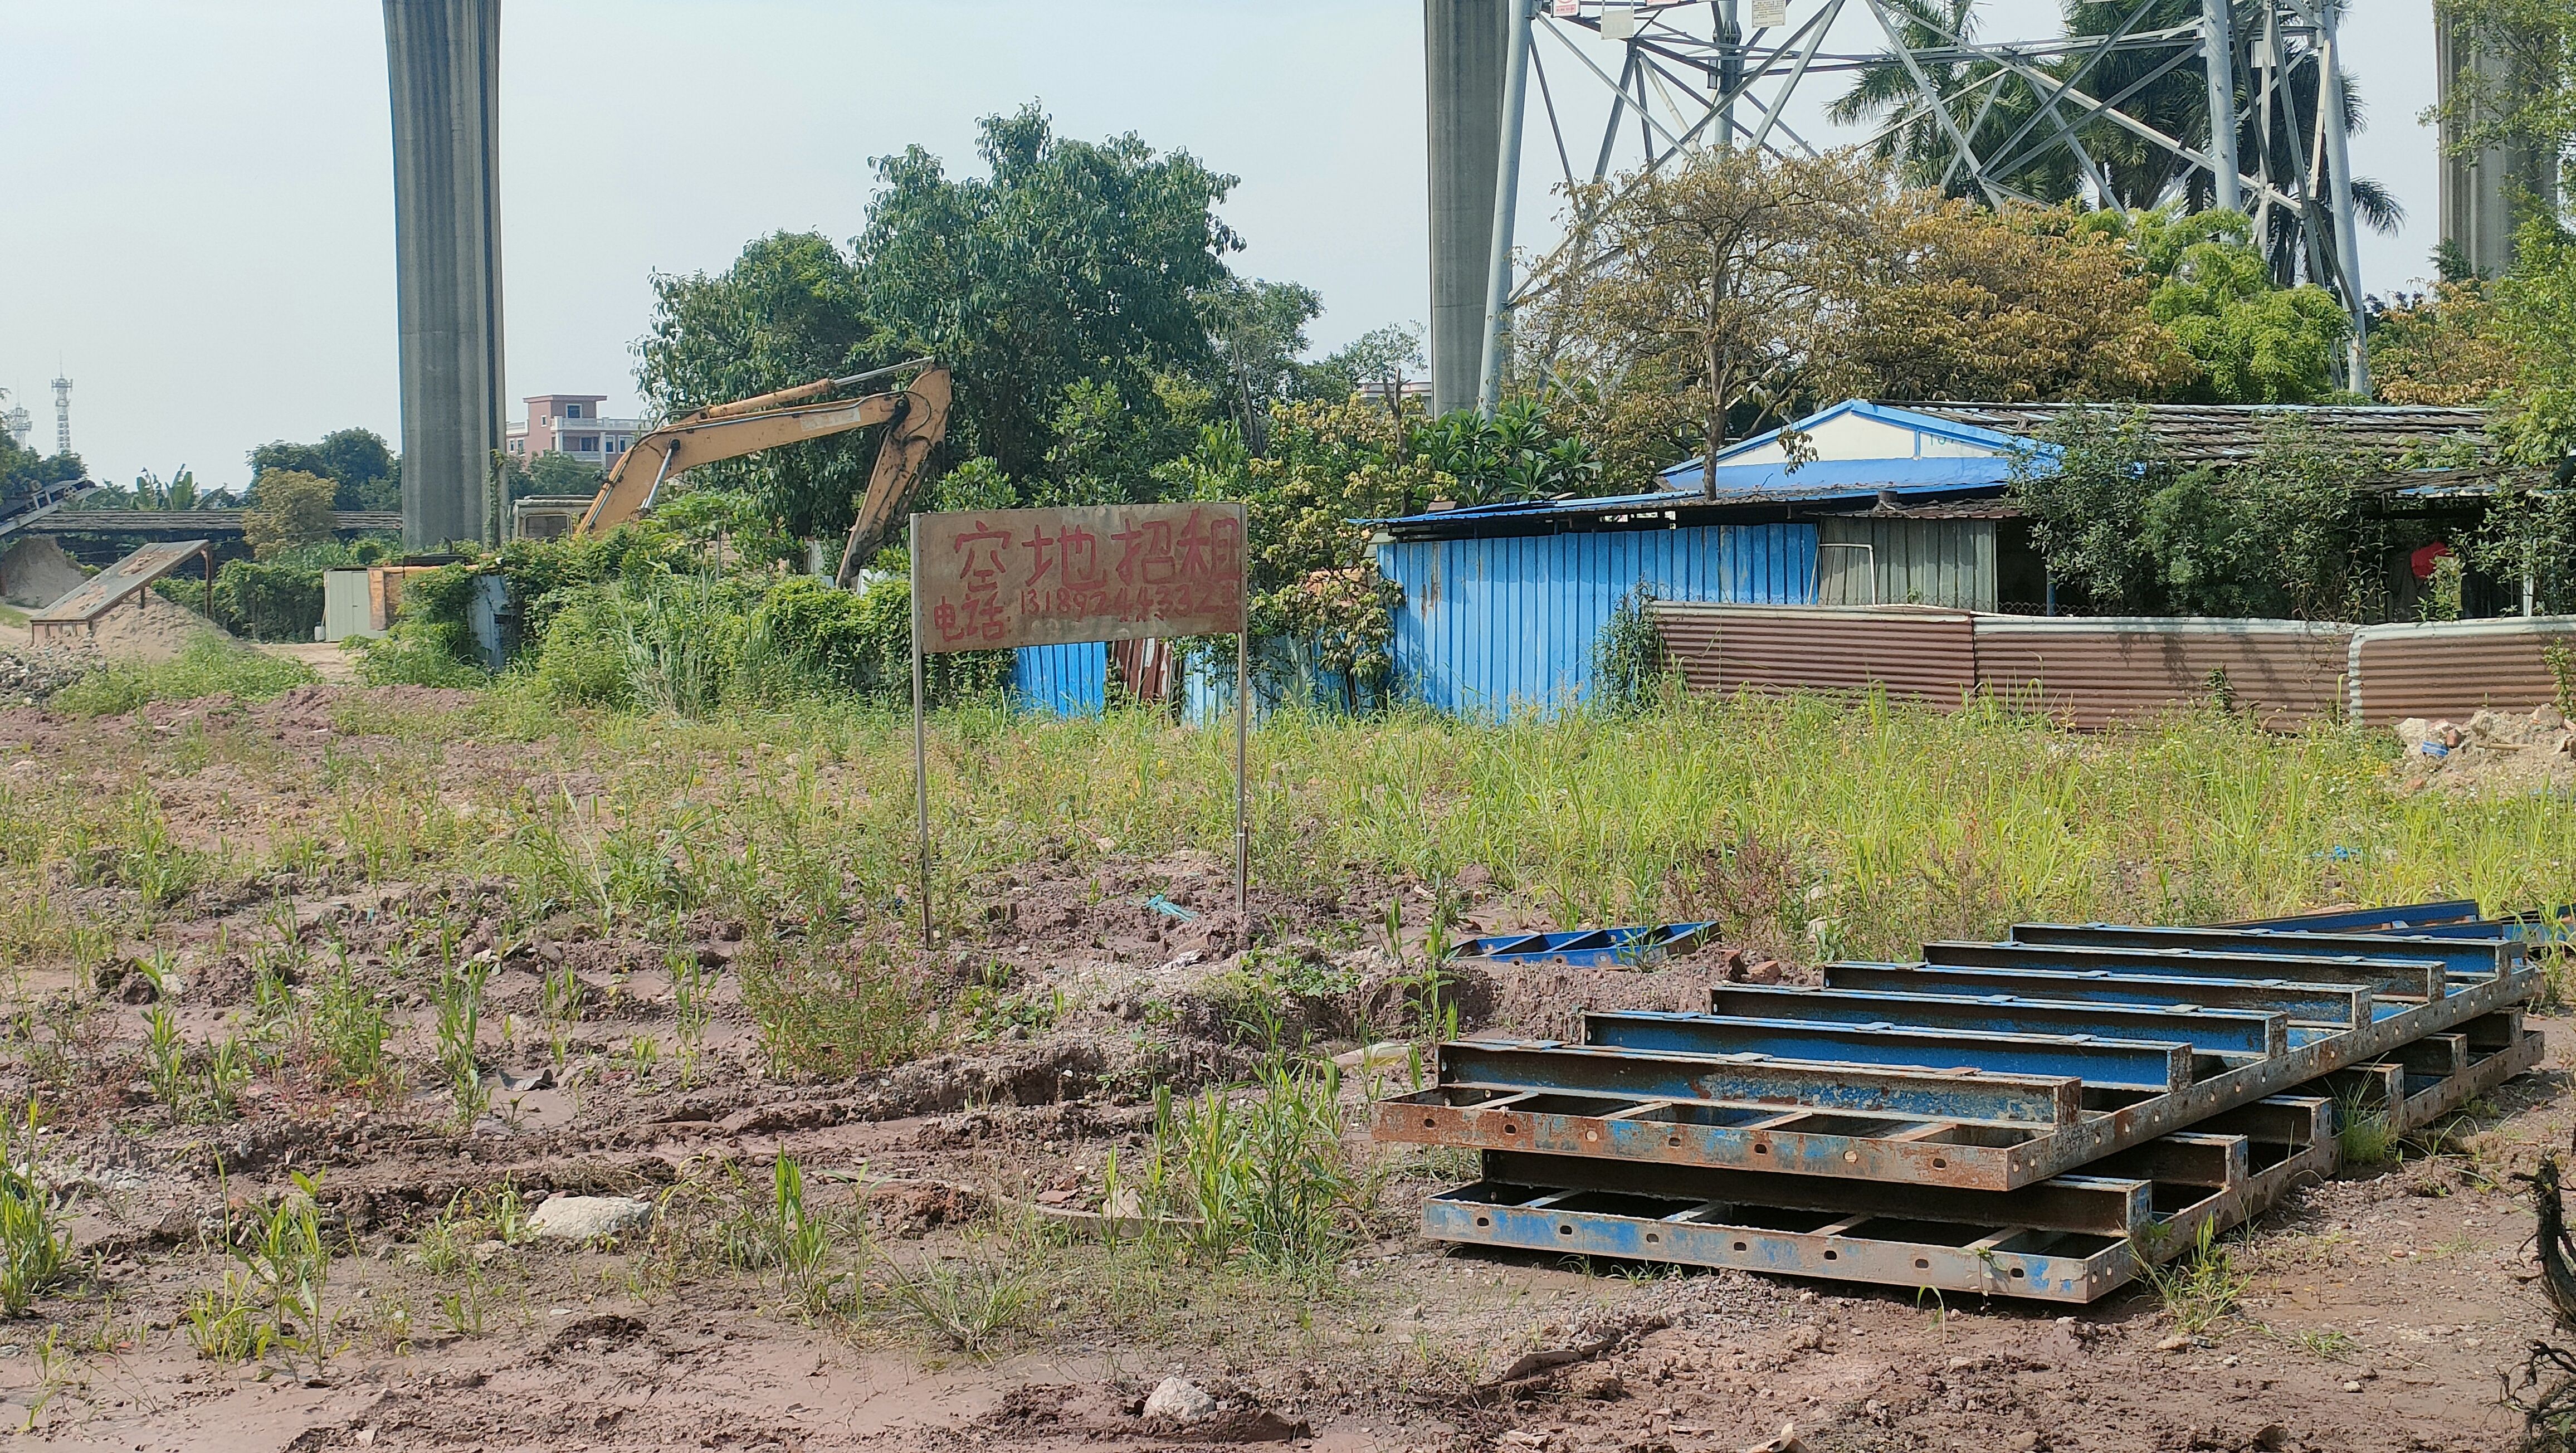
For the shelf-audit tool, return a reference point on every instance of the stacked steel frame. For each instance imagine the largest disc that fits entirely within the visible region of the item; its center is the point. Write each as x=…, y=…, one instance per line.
x=2041, y=1117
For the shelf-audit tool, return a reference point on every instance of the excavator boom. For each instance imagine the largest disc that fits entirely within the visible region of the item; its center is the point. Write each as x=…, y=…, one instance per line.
x=919, y=419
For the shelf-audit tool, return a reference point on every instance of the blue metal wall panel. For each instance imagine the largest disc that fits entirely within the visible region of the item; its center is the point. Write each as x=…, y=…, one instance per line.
x=1491, y=626
x=1065, y=680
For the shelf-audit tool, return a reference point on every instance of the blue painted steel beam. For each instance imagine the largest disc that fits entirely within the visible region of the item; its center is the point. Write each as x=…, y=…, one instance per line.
x=2545, y=928
x=2207, y=1031
x=2109, y=1205
x=2417, y=976
x=1774, y=1085
x=2099, y=1063
x=2476, y=959
x=2369, y=920
x=1640, y=944
x=2338, y=1006
x=1480, y=1215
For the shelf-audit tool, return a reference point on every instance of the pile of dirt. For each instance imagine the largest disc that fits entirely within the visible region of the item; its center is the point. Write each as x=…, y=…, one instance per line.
x=35, y=572
x=2493, y=750
x=150, y=628
x=28, y=677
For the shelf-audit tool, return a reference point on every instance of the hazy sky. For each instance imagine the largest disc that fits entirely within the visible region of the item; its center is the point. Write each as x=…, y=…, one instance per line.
x=196, y=222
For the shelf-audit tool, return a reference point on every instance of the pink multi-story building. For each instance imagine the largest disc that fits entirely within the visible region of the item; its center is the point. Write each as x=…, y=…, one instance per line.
x=571, y=424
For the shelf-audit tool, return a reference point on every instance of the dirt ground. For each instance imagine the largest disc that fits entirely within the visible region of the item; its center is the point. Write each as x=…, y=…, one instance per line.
x=2380, y=1311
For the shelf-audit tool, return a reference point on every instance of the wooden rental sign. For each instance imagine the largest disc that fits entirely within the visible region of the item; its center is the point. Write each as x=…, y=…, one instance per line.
x=990, y=580
x=984, y=580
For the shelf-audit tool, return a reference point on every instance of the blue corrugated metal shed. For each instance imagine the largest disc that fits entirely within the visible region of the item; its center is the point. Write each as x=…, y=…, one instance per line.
x=1492, y=625
x=1066, y=680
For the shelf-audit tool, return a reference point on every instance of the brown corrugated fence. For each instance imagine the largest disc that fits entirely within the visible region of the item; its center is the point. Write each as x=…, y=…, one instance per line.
x=2452, y=668
x=1914, y=652
x=2093, y=671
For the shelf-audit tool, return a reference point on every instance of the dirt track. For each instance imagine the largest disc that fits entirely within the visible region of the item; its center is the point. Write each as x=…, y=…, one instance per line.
x=2404, y=1284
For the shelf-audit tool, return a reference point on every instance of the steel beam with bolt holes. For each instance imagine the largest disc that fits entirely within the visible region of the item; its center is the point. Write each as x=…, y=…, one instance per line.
x=2114, y=1064
x=2472, y=958
x=2412, y=976
x=2404, y=918
x=2334, y=1006
x=2206, y=1031
x=2229, y=1167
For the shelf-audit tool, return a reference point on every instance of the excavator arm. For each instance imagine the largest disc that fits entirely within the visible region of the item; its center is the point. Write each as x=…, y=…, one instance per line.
x=919, y=419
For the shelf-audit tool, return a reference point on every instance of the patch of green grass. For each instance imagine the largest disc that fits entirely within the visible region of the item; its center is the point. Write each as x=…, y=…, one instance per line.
x=35, y=1239
x=1265, y=1176
x=2323, y=1343
x=2364, y=1135
x=829, y=1018
x=2202, y=1287
x=206, y=667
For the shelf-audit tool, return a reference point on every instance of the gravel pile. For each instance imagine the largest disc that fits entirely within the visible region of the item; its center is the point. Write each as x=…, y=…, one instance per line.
x=28, y=677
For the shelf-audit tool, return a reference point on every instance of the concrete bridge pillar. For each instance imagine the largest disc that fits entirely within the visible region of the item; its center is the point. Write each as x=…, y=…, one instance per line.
x=444, y=57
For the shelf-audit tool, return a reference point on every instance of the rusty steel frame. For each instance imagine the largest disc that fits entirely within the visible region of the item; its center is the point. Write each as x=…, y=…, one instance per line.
x=1969, y=1110
x=2225, y=1170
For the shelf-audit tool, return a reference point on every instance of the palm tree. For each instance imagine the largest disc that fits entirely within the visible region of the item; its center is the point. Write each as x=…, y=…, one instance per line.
x=1985, y=102
x=1992, y=105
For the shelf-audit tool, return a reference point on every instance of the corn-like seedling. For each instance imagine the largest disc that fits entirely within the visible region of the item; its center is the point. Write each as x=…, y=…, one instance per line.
x=460, y=1020
x=289, y=1269
x=166, y=1058
x=35, y=1243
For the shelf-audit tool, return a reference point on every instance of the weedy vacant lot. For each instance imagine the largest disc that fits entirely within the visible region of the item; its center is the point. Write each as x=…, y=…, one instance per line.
x=408, y=1068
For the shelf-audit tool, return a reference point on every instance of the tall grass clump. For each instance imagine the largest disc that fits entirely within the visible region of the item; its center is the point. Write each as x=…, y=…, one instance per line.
x=1264, y=1177
x=207, y=666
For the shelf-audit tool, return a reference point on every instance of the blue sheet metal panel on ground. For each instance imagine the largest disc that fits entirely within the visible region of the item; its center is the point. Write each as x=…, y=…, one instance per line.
x=1494, y=625
x=1067, y=680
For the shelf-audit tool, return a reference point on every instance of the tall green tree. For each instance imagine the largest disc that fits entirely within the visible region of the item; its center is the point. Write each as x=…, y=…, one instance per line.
x=788, y=311
x=1071, y=260
x=364, y=472
x=1073, y=281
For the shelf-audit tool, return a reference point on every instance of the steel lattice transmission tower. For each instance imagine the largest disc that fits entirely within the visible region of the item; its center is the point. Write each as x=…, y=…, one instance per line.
x=1973, y=116
x=62, y=415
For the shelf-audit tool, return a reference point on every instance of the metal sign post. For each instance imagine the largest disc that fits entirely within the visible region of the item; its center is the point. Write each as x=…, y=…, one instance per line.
x=989, y=580
x=1242, y=793
x=920, y=770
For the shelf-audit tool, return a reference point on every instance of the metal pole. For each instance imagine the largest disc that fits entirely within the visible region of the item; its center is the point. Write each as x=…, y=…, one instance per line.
x=920, y=759
x=2218, y=54
x=1507, y=188
x=1730, y=69
x=1242, y=789
x=2339, y=157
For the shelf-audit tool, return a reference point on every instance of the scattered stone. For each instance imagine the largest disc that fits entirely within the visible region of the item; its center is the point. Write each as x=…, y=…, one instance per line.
x=2175, y=1343
x=2352, y=1387
x=1179, y=1400
x=1808, y=1338
x=589, y=1218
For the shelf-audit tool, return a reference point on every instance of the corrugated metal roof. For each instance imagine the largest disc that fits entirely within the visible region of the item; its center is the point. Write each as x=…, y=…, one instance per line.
x=2228, y=431
x=1666, y=509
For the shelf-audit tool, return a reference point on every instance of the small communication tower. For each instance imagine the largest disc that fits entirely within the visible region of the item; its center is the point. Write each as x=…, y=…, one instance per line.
x=62, y=415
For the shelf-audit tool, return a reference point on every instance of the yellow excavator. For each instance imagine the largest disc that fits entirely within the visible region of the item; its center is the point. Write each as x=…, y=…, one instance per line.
x=917, y=416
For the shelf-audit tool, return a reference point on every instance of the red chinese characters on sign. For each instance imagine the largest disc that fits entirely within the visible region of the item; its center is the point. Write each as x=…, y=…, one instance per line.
x=990, y=579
